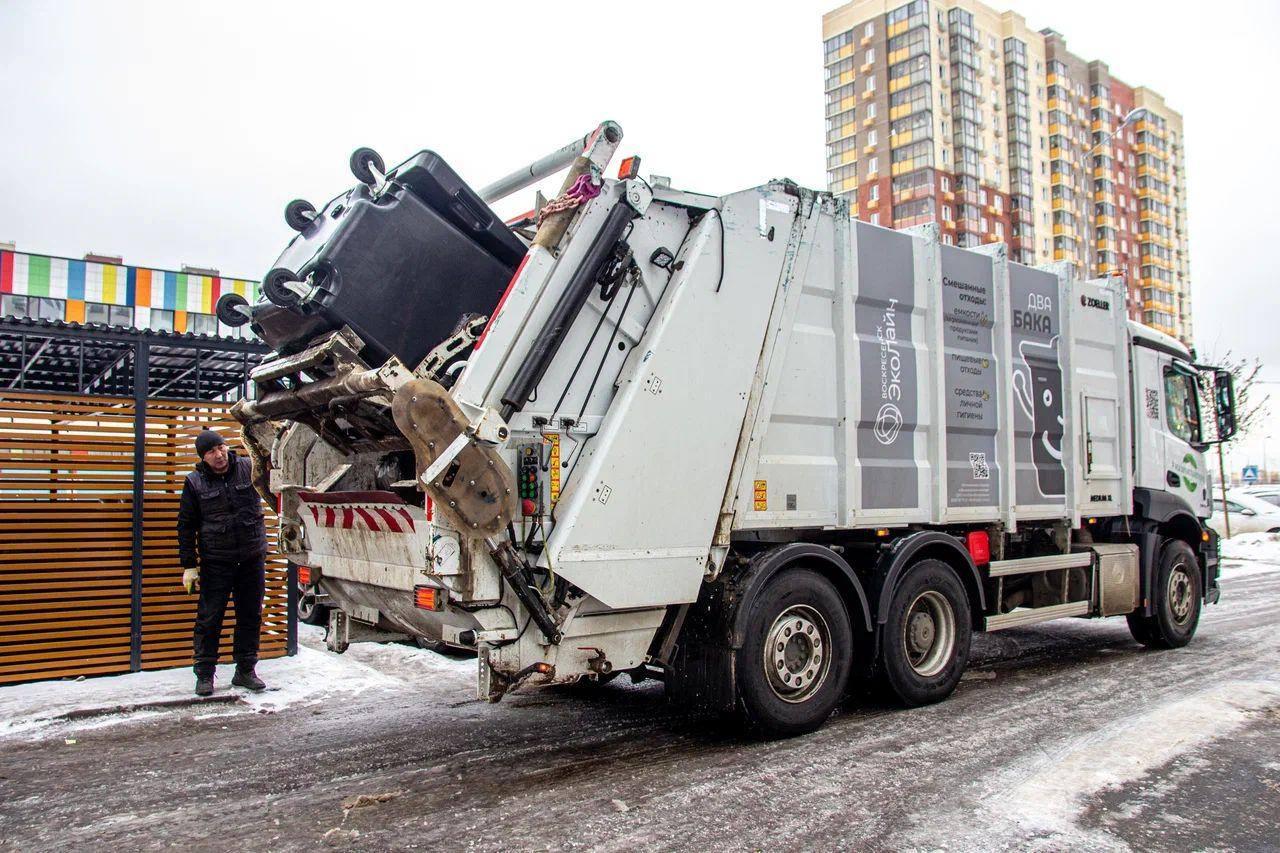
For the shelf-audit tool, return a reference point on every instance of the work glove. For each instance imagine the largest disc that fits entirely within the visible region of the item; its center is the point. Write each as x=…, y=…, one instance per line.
x=191, y=580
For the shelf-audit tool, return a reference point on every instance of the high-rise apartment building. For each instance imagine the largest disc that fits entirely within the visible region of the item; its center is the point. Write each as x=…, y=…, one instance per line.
x=954, y=113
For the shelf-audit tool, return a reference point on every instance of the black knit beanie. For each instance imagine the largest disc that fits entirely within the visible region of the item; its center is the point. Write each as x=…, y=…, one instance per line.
x=207, y=441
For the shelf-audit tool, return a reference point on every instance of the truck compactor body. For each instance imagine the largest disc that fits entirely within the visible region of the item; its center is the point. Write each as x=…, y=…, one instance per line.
x=747, y=444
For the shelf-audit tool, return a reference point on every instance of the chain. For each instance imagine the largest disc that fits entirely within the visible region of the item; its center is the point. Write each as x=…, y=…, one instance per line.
x=583, y=190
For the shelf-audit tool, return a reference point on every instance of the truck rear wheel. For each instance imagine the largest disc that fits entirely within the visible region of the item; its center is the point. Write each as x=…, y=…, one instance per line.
x=794, y=664
x=1177, y=596
x=927, y=634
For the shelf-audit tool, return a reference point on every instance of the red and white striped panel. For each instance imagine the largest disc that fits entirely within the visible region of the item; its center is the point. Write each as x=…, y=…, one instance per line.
x=376, y=519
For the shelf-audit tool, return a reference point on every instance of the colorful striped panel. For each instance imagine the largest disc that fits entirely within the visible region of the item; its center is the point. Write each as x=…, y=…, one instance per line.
x=116, y=284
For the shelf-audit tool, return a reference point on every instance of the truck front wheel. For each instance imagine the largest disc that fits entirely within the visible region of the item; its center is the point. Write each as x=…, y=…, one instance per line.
x=1177, y=595
x=927, y=633
x=796, y=656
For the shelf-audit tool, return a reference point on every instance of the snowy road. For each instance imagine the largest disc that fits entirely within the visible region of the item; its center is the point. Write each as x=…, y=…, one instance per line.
x=1062, y=735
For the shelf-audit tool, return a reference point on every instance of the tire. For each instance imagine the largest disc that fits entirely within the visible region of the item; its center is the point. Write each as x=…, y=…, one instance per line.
x=1178, y=597
x=311, y=611
x=927, y=635
x=361, y=161
x=227, y=309
x=798, y=631
x=299, y=213
x=273, y=288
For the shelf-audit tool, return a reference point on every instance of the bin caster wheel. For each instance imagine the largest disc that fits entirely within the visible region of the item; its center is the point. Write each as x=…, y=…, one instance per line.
x=273, y=287
x=299, y=213
x=232, y=309
x=364, y=161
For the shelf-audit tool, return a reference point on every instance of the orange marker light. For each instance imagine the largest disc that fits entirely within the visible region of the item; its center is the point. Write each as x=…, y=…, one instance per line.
x=304, y=575
x=629, y=168
x=428, y=598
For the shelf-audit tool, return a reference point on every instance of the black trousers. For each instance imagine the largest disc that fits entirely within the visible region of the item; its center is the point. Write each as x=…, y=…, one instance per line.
x=244, y=582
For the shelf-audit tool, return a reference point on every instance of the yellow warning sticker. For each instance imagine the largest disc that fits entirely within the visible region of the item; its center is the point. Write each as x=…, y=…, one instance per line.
x=553, y=463
x=761, y=495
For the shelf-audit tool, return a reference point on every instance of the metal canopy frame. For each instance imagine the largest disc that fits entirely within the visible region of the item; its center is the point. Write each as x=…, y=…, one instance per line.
x=70, y=358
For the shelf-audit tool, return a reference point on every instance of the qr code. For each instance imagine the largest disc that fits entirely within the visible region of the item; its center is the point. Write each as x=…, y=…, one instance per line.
x=1153, y=403
x=978, y=462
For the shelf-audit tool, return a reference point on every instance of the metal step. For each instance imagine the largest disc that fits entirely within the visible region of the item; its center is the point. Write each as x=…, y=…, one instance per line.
x=1025, y=565
x=1030, y=616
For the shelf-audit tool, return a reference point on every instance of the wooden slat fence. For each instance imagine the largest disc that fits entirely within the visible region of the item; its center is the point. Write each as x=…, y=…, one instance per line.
x=83, y=589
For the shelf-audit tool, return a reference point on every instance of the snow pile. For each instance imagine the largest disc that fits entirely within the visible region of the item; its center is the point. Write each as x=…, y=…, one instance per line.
x=308, y=678
x=1252, y=546
x=1250, y=554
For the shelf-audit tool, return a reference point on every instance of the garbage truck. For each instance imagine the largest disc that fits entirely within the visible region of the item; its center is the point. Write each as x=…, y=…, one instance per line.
x=746, y=444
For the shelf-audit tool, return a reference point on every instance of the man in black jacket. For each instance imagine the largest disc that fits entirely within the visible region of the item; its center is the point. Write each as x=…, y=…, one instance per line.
x=222, y=544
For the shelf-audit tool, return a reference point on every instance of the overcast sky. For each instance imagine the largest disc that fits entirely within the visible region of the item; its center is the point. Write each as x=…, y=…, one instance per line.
x=173, y=132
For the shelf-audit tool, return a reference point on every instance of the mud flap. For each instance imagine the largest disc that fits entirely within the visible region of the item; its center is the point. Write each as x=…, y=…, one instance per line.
x=701, y=675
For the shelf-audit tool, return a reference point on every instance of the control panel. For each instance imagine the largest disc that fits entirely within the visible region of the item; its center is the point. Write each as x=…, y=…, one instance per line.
x=530, y=460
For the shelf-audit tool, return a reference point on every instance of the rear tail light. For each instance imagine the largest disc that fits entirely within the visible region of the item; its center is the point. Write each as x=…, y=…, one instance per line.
x=305, y=576
x=979, y=545
x=428, y=598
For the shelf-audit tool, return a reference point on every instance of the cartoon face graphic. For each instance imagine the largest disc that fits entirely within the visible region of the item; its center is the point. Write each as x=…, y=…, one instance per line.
x=1038, y=389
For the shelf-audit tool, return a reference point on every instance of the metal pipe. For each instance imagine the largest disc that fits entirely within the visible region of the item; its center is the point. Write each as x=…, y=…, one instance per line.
x=566, y=309
x=545, y=166
x=308, y=398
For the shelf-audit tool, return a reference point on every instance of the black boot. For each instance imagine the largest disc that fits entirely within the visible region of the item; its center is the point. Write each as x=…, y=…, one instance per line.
x=247, y=679
x=204, y=685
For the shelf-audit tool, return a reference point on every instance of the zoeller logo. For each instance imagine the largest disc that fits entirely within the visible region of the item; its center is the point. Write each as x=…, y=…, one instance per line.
x=1091, y=302
x=888, y=423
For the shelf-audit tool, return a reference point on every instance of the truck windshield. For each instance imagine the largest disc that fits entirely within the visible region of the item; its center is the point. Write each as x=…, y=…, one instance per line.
x=1182, y=408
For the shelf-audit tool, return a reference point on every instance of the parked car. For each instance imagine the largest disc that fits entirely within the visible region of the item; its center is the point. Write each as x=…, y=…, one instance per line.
x=1249, y=513
x=1268, y=493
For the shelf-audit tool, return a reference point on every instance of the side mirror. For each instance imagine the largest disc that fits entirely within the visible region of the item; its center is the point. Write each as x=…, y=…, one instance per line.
x=1247, y=512
x=1224, y=403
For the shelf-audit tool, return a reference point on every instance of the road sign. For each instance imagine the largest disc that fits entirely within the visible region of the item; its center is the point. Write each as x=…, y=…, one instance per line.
x=1250, y=474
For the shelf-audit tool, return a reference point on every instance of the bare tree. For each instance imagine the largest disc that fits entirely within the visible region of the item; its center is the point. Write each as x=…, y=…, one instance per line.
x=1251, y=410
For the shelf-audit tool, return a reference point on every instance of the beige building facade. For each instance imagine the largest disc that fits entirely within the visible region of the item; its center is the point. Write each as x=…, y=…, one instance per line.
x=955, y=113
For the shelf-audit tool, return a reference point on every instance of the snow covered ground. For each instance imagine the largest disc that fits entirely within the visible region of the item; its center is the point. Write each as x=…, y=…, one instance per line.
x=312, y=676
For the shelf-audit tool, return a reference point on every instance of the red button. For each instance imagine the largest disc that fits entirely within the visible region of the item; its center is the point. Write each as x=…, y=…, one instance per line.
x=528, y=507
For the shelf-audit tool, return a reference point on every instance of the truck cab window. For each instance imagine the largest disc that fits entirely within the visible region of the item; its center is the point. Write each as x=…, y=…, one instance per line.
x=1182, y=408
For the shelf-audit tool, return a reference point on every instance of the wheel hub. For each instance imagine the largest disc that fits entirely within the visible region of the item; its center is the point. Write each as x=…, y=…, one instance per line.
x=796, y=658
x=1180, y=588
x=929, y=633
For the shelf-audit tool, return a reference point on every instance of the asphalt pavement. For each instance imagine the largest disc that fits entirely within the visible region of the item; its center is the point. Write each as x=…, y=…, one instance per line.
x=1066, y=735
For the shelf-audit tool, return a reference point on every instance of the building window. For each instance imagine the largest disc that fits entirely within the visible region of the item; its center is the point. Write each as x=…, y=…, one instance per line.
x=871, y=137
x=43, y=308
x=161, y=320
x=946, y=213
x=108, y=315
x=986, y=226
x=13, y=305
x=202, y=324
x=873, y=166
x=871, y=110
x=869, y=30
x=871, y=83
x=871, y=54
x=875, y=218
x=946, y=184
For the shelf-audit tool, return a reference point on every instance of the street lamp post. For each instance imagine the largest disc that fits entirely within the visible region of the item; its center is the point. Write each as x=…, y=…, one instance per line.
x=1091, y=249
